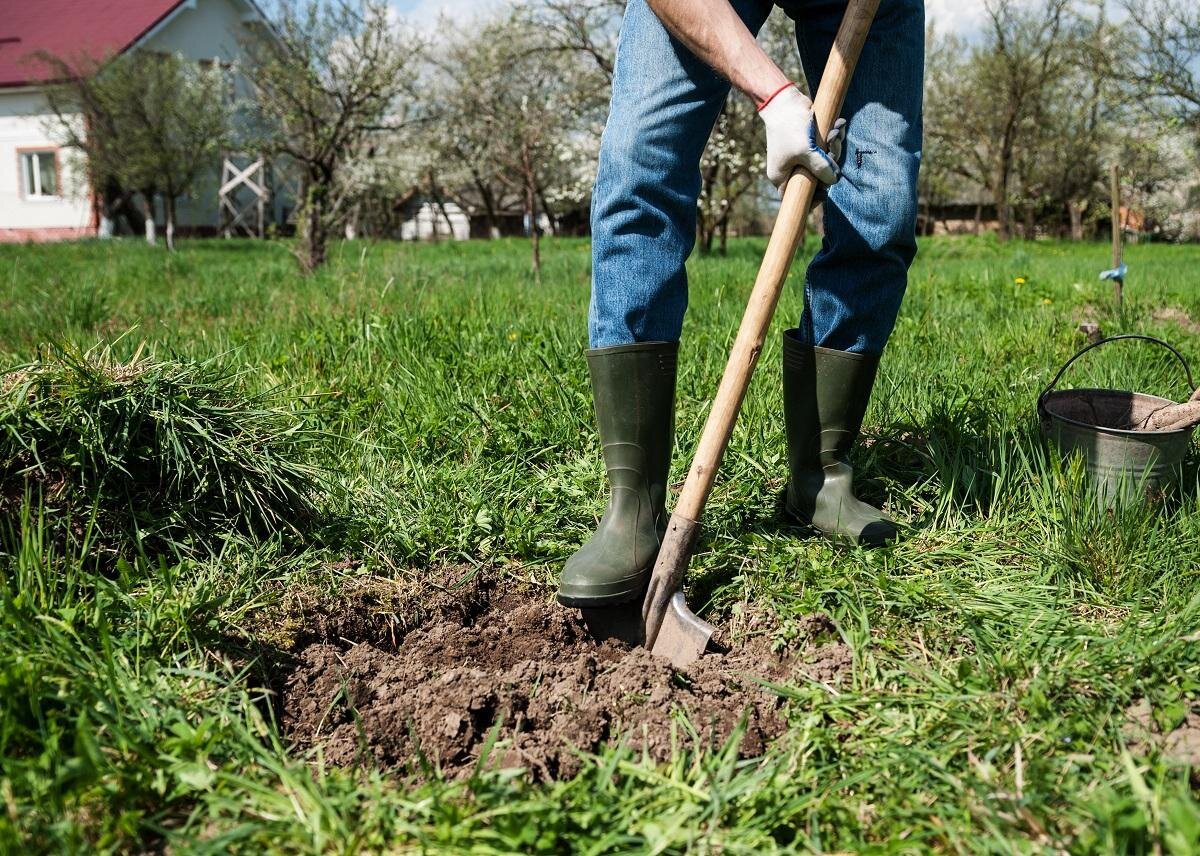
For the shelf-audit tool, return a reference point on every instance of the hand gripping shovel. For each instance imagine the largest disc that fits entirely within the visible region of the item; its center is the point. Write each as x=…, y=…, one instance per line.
x=669, y=628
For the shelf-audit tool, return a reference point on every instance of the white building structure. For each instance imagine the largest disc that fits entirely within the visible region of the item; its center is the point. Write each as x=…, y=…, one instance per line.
x=430, y=222
x=43, y=189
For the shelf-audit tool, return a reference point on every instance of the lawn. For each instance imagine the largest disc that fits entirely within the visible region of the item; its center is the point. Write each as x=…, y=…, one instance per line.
x=1023, y=670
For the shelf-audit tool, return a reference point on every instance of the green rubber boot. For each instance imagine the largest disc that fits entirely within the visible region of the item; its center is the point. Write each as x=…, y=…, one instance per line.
x=633, y=387
x=825, y=396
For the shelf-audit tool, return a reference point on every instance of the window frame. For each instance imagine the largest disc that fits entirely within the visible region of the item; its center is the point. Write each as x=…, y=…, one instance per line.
x=23, y=175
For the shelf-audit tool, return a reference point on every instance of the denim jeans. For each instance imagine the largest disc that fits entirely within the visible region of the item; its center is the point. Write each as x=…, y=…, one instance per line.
x=665, y=102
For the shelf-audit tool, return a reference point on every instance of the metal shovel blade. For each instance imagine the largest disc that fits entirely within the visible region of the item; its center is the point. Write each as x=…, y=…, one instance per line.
x=683, y=636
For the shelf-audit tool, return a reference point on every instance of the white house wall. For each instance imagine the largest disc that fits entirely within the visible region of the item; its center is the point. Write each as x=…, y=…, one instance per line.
x=427, y=221
x=27, y=123
x=204, y=29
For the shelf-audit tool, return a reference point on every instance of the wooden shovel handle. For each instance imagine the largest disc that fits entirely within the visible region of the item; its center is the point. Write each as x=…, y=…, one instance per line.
x=786, y=237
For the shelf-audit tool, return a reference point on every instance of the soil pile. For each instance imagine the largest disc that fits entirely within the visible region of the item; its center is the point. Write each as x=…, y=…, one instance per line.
x=499, y=659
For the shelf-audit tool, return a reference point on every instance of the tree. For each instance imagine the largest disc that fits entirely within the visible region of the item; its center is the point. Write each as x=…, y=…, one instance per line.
x=733, y=166
x=987, y=102
x=1024, y=54
x=1063, y=163
x=151, y=123
x=586, y=28
x=1036, y=114
x=377, y=183
x=953, y=166
x=512, y=122
x=330, y=79
x=1167, y=55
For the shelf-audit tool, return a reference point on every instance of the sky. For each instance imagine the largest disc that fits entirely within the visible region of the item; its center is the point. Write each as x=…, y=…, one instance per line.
x=955, y=16
x=959, y=16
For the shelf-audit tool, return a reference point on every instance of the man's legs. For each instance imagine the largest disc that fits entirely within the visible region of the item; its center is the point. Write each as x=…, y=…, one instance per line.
x=855, y=284
x=664, y=105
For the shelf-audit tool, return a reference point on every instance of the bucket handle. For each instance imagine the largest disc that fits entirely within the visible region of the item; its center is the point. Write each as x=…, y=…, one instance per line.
x=1054, y=383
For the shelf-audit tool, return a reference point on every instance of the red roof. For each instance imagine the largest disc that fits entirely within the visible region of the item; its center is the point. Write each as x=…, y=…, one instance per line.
x=70, y=29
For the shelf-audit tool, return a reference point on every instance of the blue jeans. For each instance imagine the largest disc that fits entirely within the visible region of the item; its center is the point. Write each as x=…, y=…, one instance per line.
x=665, y=102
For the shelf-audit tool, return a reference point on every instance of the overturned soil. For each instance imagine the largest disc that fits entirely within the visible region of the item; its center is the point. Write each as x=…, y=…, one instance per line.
x=489, y=660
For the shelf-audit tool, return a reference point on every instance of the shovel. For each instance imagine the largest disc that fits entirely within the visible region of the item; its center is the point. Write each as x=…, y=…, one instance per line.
x=666, y=625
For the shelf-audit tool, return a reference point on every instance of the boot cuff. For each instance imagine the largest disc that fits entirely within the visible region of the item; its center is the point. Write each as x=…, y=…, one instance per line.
x=630, y=360
x=797, y=355
x=636, y=347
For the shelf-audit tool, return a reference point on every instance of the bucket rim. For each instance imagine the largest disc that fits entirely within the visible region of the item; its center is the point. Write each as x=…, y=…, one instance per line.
x=1120, y=432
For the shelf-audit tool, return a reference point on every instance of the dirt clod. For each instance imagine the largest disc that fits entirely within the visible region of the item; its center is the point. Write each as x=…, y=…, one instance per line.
x=1175, y=315
x=526, y=671
x=1143, y=734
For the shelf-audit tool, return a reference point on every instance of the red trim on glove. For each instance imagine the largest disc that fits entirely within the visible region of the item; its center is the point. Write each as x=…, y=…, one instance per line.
x=771, y=97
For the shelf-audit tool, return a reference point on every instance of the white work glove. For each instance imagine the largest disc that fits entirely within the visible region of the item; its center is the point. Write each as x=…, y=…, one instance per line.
x=792, y=138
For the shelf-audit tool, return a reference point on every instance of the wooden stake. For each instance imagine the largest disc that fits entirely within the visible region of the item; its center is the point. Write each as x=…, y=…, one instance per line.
x=1118, y=282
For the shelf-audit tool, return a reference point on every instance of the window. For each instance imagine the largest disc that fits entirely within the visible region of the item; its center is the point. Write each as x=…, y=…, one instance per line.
x=39, y=171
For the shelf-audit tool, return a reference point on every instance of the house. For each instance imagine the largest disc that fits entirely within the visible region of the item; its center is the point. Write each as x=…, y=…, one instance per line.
x=43, y=191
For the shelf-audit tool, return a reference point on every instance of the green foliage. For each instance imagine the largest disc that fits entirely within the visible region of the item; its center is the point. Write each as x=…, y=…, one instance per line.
x=326, y=81
x=149, y=123
x=157, y=449
x=996, y=650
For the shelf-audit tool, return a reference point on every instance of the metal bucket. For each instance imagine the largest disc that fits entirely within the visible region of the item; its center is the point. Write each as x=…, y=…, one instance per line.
x=1123, y=463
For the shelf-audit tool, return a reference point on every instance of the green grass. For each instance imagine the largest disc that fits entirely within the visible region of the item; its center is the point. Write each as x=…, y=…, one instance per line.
x=996, y=649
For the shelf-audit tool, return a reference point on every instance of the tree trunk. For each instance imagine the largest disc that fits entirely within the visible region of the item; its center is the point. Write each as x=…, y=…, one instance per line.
x=1000, y=190
x=441, y=204
x=351, y=229
x=978, y=218
x=535, y=235
x=724, y=236
x=169, y=207
x=551, y=219
x=705, y=219
x=111, y=200
x=531, y=212
x=148, y=217
x=126, y=210
x=1003, y=214
x=489, y=206
x=1029, y=224
x=1075, y=212
x=312, y=229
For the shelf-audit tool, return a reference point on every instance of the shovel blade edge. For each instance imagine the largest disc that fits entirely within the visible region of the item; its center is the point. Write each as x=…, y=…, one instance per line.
x=684, y=636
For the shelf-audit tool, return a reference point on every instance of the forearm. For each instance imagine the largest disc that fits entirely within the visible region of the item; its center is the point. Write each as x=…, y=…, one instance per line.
x=712, y=30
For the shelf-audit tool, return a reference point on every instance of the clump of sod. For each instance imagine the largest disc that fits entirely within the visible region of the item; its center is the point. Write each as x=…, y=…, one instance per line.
x=151, y=451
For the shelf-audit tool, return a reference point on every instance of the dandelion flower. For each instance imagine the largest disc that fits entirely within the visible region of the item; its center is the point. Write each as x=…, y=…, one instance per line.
x=1020, y=280
x=1046, y=301
x=513, y=336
